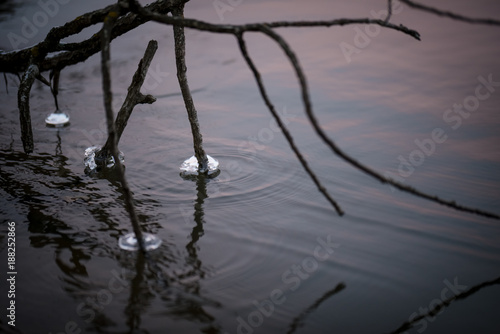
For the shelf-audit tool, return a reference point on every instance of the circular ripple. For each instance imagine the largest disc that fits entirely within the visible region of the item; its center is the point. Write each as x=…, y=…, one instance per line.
x=265, y=178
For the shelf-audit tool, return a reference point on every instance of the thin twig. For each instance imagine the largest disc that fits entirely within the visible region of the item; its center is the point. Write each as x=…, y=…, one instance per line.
x=389, y=11
x=108, y=96
x=444, y=303
x=282, y=126
x=314, y=122
x=133, y=98
x=23, y=101
x=180, y=61
x=234, y=29
x=449, y=14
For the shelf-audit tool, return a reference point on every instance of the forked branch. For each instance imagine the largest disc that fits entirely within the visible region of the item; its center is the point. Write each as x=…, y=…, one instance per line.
x=237, y=30
x=133, y=98
x=339, y=152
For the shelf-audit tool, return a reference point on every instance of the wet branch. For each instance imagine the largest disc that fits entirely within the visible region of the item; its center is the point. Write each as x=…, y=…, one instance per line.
x=131, y=14
x=23, y=101
x=450, y=15
x=445, y=303
x=282, y=126
x=339, y=152
x=72, y=53
x=134, y=97
x=108, y=96
x=180, y=60
x=266, y=29
x=389, y=11
x=235, y=29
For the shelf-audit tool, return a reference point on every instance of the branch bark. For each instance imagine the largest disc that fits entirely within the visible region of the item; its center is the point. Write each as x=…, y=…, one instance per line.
x=282, y=126
x=235, y=29
x=133, y=98
x=180, y=61
x=450, y=15
x=109, y=21
x=340, y=153
x=73, y=53
x=23, y=102
x=266, y=28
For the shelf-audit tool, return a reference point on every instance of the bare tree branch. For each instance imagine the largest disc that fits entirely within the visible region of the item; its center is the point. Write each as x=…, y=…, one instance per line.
x=314, y=122
x=266, y=29
x=142, y=14
x=389, y=11
x=73, y=53
x=450, y=15
x=282, y=126
x=109, y=21
x=133, y=98
x=180, y=61
x=234, y=29
x=23, y=101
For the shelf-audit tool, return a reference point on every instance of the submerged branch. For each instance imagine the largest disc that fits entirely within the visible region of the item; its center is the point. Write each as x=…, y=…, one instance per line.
x=108, y=96
x=180, y=61
x=134, y=97
x=450, y=15
x=282, y=126
x=23, y=101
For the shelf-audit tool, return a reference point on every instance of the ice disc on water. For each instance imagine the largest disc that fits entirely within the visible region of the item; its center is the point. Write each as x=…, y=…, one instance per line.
x=129, y=242
x=89, y=159
x=57, y=119
x=190, y=166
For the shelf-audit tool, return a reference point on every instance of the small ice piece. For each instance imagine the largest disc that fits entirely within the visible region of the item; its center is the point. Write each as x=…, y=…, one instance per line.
x=57, y=119
x=190, y=166
x=129, y=242
x=89, y=159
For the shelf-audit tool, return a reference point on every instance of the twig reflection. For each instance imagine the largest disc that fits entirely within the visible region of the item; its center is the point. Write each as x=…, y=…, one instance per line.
x=298, y=321
x=445, y=303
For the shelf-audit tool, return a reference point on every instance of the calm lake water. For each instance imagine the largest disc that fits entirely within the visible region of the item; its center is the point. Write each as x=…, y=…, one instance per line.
x=258, y=249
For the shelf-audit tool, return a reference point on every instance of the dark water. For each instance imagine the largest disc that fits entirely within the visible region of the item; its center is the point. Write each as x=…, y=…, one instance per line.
x=258, y=249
